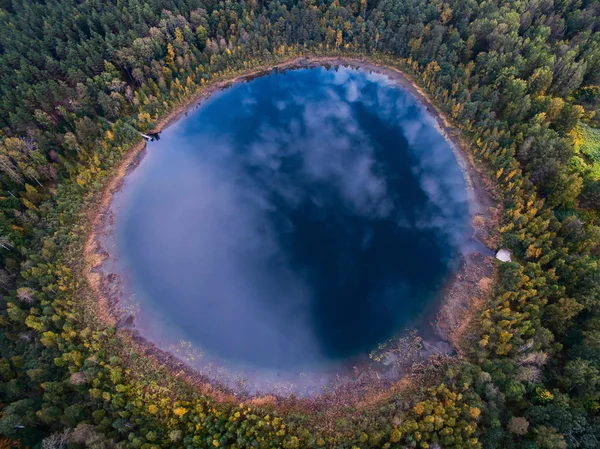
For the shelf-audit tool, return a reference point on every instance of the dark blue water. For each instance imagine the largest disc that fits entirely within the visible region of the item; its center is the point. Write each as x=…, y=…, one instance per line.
x=293, y=220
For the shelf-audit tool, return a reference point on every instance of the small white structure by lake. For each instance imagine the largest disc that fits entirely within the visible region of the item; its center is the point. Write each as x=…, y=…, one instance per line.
x=503, y=255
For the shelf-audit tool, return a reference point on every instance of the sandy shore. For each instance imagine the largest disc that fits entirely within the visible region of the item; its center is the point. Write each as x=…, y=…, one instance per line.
x=461, y=299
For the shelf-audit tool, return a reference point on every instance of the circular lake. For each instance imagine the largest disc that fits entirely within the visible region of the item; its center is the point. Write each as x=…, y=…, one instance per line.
x=292, y=221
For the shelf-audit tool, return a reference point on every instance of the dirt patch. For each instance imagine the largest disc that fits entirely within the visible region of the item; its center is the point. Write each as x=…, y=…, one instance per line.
x=462, y=299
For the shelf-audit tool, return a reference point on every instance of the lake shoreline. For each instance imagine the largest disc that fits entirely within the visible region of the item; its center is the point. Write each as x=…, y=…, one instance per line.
x=453, y=309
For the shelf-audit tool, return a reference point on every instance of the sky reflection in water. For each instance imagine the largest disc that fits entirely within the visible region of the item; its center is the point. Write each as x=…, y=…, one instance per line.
x=297, y=219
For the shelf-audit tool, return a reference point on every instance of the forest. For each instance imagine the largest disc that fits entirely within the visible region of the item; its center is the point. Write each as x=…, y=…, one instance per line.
x=79, y=81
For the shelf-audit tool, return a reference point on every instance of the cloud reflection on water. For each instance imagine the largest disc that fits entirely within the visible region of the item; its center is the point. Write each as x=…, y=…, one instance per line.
x=273, y=226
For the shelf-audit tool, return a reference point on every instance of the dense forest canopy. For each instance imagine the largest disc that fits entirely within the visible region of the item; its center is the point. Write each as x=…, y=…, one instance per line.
x=79, y=80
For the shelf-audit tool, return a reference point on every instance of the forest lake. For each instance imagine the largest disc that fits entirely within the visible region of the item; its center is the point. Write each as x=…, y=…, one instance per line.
x=287, y=227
